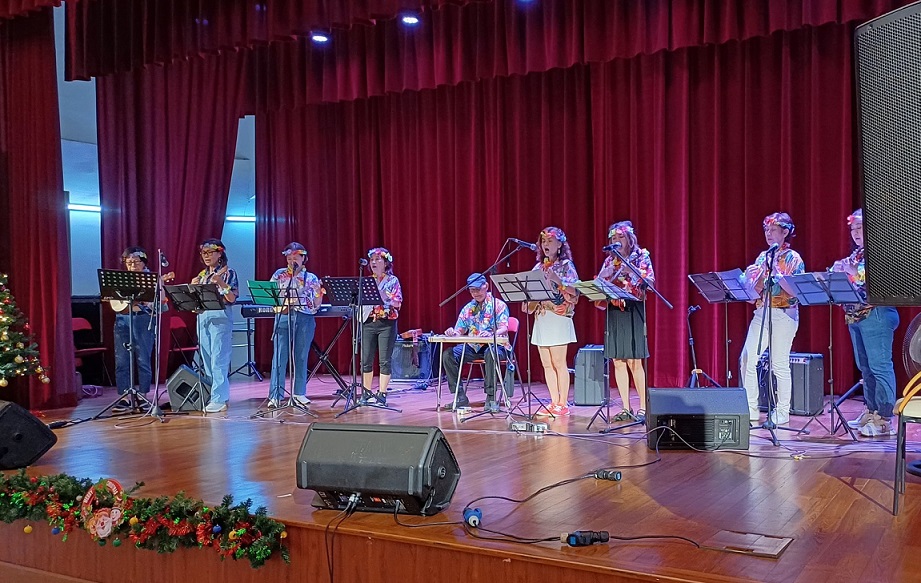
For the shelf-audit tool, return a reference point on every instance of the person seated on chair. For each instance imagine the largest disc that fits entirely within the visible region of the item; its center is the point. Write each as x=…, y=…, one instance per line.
x=134, y=259
x=872, y=329
x=625, y=333
x=484, y=316
x=306, y=294
x=553, y=327
x=215, y=327
x=379, y=323
x=784, y=310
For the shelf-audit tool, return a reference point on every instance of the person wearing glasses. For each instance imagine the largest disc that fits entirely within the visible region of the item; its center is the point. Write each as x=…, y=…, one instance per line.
x=138, y=328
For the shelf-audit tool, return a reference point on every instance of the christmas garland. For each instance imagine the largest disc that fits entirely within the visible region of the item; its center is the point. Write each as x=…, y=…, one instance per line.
x=162, y=524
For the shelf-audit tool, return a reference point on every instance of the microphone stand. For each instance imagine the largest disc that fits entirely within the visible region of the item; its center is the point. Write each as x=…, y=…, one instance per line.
x=694, y=380
x=156, y=323
x=646, y=285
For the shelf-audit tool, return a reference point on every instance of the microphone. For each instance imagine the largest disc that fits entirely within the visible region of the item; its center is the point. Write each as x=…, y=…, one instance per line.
x=362, y=262
x=164, y=262
x=773, y=248
x=525, y=244
x=612, y=247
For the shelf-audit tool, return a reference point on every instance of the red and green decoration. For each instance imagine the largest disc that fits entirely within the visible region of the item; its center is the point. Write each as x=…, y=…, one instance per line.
x=18, y=351
x=110, y=514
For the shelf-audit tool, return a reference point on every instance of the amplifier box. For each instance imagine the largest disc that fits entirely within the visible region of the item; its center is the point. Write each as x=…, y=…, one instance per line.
x=591, y=384
x=711, y=418
x=411, y=362
x=807, y=372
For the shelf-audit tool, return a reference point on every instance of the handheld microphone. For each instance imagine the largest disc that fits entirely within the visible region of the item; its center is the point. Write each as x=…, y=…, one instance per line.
x=525, y=244
x=613, y=246
x=362, y=262
x=164, y=262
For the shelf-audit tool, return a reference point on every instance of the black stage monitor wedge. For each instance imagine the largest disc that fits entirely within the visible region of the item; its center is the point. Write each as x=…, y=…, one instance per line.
x=188, y=391
x=23, y=438
x=712, y=418
x=888, y=66
x=380, y=467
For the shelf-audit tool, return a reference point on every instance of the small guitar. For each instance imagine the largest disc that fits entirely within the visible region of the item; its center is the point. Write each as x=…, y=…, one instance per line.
x=121, y=306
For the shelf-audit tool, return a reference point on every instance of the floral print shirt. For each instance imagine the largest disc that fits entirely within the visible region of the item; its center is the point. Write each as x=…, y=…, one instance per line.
x=391, y=293
x=229, y=278
x=564, y=302
x=786, y=262
x=614, y=271
x=854, y=313
x=475, y=318
x=305, y=289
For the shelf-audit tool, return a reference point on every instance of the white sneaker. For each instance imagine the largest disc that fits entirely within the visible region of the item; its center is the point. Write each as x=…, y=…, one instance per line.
x=301, y=400
x=273, y=403
x=861, y=420
x=780, y=418
x=215, y=407
x=878, y=427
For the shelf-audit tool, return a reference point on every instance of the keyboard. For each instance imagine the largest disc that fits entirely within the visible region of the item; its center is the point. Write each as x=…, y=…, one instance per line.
x=326, y=311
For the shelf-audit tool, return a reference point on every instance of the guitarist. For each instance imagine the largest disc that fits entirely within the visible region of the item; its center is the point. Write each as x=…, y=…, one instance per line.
x=215, y=327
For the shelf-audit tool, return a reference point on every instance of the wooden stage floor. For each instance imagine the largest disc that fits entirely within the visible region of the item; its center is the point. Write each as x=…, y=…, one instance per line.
x=831, y=495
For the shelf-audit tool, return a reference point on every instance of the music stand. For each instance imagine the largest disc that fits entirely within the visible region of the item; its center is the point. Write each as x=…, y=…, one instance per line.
x=355, y=292
x=724, y=287
x=600, y=290
x=195, y=298
x=133, y=287
x=268, y=293
x=823, y=288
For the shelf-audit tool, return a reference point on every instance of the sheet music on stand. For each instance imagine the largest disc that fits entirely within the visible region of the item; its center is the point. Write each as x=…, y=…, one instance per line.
x=116, y=284
x=265, y=293
x=196, y=298
x=821, y=288
x=599, y=290
x=723, y=286
x=527, y=286
x=343, y=291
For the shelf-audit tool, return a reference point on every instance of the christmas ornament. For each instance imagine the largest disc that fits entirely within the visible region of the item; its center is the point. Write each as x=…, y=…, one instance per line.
x=4, y=382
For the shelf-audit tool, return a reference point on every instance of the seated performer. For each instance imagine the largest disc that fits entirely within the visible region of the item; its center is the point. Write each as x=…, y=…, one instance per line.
x=872, y=329
x=553, y=327
x=215, y=327
x=625, y=334
x=379, y=323
x=778, y=228
x=303, y=289
x=134, y=259
x=483, y=316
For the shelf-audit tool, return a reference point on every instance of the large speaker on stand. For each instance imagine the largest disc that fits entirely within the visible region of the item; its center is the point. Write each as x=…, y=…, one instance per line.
x=23, y=438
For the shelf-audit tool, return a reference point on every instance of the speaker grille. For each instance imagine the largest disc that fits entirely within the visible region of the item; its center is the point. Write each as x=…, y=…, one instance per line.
x=888, y=62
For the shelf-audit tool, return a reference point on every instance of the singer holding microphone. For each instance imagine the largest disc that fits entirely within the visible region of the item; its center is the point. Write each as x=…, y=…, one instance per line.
x=553, y=327
x=215, y=327
x=303, y=291
x=379, y=323
x=625, y=333
x=777, y=262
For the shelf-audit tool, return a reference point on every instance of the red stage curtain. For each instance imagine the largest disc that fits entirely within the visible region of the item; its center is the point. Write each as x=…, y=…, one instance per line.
x=695, y=146
x=13, y=8
x=34, y=249
x=167, y=137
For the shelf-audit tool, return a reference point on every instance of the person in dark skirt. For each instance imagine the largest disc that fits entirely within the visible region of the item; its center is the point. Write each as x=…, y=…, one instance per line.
x=625, y=333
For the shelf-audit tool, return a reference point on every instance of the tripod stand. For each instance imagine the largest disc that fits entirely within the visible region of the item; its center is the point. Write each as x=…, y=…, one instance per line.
x=694, y=380
x=355, y=292
x=133, y=287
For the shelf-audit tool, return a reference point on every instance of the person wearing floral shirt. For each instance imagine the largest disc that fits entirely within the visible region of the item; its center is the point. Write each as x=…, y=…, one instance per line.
x=484, y=316
x=379, y=323
x=553, y=327
x=215, y=327
x=625, y=334
x=777, y=262
x=872, y=329
x=301, y=290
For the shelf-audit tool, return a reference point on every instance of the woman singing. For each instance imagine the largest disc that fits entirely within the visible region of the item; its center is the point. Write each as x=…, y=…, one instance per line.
x=775, y=263
x=872, y=329
x=215, y=327
x=625, y=334
x=379, y=323
x=553, y=328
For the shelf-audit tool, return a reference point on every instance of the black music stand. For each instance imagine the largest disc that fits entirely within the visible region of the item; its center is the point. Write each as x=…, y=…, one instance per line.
x=133, y=287
x=600, y=290
x=723, y=287
x=344, y=291
x=527, y=286
x=824, y=288
x=195, y=298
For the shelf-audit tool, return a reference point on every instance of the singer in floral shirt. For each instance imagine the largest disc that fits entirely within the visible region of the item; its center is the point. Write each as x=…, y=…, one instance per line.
x=379, y=323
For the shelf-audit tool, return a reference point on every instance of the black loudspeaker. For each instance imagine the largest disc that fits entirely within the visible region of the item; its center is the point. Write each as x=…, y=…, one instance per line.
x=888, y=65
x=188, y=390
x=712, y=418
x=23, y=438
x=411, y=362
x=807, y=372
x=378, y=468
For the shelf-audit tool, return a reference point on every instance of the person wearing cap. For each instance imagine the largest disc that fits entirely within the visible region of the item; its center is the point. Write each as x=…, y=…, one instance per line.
x=215, y=327
x=301, y=290
x=484, y=316
x=379, y=323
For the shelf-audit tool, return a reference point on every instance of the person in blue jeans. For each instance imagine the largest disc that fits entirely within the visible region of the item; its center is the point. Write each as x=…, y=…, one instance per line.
x=872, y=329
x=215, y=327
x=302, y=291
x=138, y=329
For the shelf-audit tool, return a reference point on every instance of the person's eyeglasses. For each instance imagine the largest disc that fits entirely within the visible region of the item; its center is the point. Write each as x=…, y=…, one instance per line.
x=207, y=253
x=133, y=263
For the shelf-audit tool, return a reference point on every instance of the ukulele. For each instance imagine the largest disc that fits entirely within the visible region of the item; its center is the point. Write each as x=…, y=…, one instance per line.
x=121, y=306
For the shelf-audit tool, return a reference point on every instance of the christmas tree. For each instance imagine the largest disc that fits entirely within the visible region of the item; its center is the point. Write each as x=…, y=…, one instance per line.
x=18, y=352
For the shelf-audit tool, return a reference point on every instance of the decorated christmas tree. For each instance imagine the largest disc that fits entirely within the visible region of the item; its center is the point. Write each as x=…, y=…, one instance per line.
x=18, y=351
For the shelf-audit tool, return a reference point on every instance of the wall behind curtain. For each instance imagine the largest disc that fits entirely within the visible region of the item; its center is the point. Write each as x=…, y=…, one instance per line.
x=34, y=248
x=695, y=146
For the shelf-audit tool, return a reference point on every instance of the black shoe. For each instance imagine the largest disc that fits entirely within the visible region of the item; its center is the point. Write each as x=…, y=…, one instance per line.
x=461, y=403
x=123, y=405
x=491, y=406
x=380, y=398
